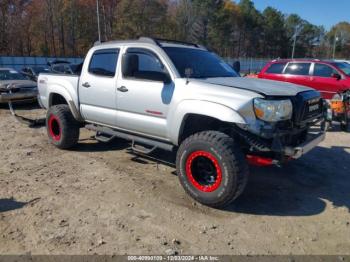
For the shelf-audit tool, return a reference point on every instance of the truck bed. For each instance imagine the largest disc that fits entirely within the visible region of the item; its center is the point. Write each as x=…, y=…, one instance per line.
x=64, y=84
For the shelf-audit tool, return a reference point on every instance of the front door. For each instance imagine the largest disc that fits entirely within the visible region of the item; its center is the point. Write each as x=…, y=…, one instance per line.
x=325, y=80
x=97, y=87
x=143, y=103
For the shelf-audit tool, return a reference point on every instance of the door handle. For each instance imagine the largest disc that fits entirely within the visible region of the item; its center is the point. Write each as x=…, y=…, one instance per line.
x=87, y=85
x=122, y=89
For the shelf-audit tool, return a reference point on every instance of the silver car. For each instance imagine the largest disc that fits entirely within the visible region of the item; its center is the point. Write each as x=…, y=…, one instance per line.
x=14, y=86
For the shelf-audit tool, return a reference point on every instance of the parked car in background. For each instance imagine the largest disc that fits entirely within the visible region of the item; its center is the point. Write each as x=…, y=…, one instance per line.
x=331, y=78
x=65, y=67
x=328, y=77
x=14, y=86
x=343, y=61
x=33, y=71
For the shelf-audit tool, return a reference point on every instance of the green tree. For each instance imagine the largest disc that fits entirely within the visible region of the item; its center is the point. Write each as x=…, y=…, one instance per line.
x=274, y=33
x=341, y=31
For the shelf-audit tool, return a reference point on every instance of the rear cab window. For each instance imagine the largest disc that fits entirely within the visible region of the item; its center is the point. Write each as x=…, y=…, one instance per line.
x=276, y=68
x=299, y=69
x=104, y=62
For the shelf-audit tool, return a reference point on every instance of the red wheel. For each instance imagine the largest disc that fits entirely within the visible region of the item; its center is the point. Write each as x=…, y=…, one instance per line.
x=203, y=171
x=211, y=168
x=62, y=128
x=54, y=128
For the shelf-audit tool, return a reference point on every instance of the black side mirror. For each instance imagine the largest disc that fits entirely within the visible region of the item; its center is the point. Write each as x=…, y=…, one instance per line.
x=336, y=76
x=166, y=78
x=236, y=66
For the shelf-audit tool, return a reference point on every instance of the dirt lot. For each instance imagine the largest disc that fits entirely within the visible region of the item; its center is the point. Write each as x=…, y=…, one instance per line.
x=100, y=198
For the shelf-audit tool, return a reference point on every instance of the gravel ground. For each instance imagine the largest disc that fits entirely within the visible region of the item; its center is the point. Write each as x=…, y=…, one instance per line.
x=102, y=199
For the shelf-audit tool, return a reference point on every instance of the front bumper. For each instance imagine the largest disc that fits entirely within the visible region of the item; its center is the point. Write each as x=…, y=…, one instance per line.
x=18, y=96
x=299, y=151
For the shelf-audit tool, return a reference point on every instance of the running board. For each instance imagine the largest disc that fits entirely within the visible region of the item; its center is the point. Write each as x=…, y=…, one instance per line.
x=134, y=138
x=105, y=138
x=141, y=149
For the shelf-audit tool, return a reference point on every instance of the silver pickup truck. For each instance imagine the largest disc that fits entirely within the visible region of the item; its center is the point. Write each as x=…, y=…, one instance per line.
x=183, y=98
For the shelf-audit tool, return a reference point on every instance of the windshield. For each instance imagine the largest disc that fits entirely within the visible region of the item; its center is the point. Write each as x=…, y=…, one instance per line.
x=203, y=64
x=345, y=67
x=11, y=75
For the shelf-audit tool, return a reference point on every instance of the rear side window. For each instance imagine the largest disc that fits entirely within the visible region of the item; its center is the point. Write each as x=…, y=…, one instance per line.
x=104, y=62
x=276, y=68
x=323, y=70
x=301, y=69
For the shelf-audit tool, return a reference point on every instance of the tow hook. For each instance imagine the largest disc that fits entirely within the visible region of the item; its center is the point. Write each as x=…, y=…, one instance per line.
x=261, y=161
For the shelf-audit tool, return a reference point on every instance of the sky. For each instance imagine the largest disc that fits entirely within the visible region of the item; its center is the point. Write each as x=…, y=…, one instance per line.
x=318, y=12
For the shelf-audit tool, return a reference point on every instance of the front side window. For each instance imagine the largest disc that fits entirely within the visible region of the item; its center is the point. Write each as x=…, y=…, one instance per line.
x=201, y=63
x=276, y=68
x=141, y=63
x=322, y=70
x=104, y=62
x=301, y=69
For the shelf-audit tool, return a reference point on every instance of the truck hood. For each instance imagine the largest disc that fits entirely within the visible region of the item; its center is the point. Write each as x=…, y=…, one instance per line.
x=18, y=83
x=260, y=86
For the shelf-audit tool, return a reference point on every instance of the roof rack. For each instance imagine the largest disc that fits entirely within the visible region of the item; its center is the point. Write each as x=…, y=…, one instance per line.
x=158, y=40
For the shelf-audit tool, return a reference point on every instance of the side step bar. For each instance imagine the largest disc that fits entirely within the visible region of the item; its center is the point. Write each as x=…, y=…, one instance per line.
x=134, y=138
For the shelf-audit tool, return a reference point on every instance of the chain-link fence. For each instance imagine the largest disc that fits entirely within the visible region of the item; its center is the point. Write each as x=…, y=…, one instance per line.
x=18, y=62
x=248, y=65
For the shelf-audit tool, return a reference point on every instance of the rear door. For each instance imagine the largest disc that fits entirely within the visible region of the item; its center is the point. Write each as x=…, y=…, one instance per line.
x=298, y=73
x=274, y=71
x=97, y=87
x=324, y=81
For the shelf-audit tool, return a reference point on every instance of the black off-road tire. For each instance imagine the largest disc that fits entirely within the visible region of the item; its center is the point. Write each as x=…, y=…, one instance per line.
x=63, y=130
x=227, y=159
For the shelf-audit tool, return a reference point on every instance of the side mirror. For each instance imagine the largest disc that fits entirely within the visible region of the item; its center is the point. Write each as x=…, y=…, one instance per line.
x=336, y=76
x=237, y=66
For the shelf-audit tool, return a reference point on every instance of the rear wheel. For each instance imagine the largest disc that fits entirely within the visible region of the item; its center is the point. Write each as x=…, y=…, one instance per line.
x=211, y=168
x=63, y=130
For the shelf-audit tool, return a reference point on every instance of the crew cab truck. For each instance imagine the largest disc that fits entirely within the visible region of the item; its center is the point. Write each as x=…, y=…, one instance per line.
x=183, y=98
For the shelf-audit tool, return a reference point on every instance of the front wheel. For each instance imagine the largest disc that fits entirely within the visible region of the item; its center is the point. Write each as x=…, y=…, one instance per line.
x=63, y=130
x=211, y=168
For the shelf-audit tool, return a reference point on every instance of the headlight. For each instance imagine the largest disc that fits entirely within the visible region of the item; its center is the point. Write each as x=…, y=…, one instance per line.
x=273, y=110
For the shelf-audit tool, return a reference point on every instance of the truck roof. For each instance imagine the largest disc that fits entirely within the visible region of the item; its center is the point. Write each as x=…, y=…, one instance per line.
x=155, y=41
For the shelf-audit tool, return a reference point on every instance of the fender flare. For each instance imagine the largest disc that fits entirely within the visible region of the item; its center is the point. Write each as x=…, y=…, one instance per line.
x=60, y=90
x=204, y=108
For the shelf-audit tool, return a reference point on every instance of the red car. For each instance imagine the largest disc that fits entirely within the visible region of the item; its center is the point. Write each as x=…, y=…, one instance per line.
x=328, y=77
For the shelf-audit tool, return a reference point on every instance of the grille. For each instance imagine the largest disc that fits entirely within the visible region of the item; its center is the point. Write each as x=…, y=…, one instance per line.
x=307, y=106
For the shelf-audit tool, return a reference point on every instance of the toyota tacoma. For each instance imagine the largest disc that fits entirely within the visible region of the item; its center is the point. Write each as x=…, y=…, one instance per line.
x=182, y=98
